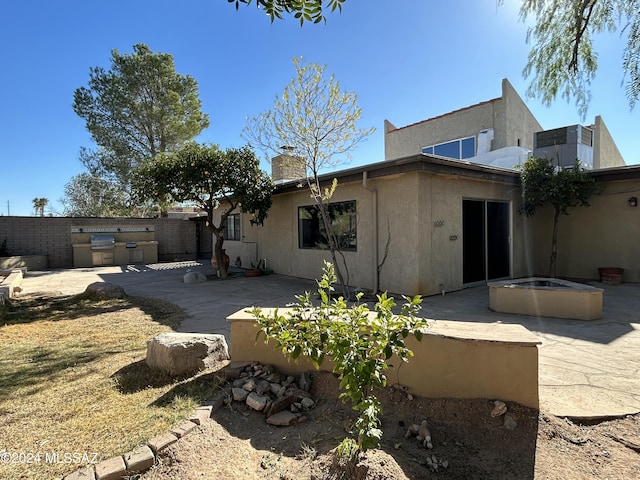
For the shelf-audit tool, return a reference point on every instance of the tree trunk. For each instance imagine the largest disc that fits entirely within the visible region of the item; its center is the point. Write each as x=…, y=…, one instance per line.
x=554, y=244
x=217, y=252
x=333, y=247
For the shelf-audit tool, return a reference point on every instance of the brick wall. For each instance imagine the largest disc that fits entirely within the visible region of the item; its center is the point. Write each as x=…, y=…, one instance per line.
x=51, y=236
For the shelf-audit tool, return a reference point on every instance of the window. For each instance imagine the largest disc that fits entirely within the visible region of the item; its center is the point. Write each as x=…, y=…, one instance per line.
x=232, y=227
x=458, y=149
x=311, y=231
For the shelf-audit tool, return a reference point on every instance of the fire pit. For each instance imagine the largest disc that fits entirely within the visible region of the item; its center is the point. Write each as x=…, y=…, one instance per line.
x=546, y=297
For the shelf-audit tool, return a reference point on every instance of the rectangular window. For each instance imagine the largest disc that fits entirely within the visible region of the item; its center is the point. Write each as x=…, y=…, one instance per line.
x=232, y=227
x=311, y=231
x=458, y=149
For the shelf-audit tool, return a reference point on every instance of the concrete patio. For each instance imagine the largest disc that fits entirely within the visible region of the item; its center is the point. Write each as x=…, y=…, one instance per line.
x=587, y=369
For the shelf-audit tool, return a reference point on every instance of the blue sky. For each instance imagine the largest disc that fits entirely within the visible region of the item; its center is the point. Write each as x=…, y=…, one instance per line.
x=407, y=60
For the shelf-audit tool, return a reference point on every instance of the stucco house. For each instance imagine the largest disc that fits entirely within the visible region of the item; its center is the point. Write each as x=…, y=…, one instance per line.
x=440, y=212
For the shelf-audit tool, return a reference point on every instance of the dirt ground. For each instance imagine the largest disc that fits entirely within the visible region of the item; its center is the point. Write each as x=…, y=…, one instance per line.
x=472, y=444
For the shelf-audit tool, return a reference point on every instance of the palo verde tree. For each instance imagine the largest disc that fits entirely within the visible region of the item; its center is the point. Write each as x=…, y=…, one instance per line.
x=543, y=183
x=562, y=59
x=138, y=109
x=317, y=122
x=210, y=178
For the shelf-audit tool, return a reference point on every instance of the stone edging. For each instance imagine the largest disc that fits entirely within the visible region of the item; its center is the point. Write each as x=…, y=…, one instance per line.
x=142, y=458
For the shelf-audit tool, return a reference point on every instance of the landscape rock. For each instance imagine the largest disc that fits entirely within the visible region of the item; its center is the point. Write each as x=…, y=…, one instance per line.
x=249, y=385
x=240, y=394
x=194, y=277
x=305, y=382
x=307, y=403
x=255, y=401
x=510, y=422
x=104, y=290
x=499, y=408
x=277, y=389
x=280, y=404
x=184, y=354
x=262, y=387
x=283, y=419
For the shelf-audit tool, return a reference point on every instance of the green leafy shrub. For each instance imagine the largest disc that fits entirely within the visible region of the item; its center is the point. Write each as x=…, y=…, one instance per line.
x=359, y=341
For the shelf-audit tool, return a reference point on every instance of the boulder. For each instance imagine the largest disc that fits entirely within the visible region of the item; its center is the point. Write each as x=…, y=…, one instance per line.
x=104, y=290
x=194, y=277
x=184, y=354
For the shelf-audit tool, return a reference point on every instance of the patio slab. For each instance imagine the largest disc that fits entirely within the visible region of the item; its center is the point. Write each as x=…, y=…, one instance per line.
x=586, y=369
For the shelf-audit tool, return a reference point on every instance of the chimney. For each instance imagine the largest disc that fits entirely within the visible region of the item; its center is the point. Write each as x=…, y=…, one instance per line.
x=287, y=167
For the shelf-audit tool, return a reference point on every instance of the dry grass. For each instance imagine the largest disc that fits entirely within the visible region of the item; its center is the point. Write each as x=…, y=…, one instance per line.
x=73, y=379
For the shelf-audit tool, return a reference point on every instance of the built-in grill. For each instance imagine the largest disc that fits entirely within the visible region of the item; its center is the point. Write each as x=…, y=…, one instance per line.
x=102, y=242
x=113, y=245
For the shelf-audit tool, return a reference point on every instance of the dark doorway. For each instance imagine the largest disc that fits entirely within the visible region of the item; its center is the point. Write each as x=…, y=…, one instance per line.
x=204, y=239
x=485, y=234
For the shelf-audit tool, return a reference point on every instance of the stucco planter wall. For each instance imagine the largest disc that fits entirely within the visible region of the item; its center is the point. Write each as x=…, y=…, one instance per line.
x=453, y=360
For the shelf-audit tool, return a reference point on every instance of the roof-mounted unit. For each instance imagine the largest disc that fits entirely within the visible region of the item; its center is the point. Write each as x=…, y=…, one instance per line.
x=565, y=145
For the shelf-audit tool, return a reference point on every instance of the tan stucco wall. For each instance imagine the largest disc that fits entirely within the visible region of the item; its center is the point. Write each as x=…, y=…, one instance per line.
x=409, y=140
x=423, y=258
x=603, y=235
x=519, y=124
x=511, y=119
x=453, y=360
x=605, y=151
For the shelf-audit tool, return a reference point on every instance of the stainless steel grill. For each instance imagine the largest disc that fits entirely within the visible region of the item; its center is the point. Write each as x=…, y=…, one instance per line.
x=102, y=242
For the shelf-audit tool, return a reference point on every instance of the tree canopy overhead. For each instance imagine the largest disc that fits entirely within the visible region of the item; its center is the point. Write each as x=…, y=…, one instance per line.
x=303, y=10
x=139, y=108
x=562, y=60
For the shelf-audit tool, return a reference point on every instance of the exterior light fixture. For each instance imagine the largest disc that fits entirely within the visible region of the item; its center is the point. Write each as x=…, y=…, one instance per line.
x=633, y=201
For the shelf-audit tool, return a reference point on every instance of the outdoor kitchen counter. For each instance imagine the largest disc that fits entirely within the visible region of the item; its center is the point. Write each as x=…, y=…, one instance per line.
x=123, y=253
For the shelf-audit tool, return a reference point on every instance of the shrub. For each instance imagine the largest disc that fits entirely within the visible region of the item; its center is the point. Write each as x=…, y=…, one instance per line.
x=359, y=341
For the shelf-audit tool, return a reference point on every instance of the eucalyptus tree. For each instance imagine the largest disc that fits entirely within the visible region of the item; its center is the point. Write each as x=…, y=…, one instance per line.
x=139, y=108
x=210, y=178
x=317, y=123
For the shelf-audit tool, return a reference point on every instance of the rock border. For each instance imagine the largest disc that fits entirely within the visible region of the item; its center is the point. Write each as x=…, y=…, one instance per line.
x=143, y=457
x=283, y=407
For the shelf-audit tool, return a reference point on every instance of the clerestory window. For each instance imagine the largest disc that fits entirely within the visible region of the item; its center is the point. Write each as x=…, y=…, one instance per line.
x=458, y=149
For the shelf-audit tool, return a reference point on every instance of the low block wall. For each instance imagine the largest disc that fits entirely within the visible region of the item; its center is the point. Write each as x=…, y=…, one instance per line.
x=30, y=262
x=9, y=284
x=453, y=360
